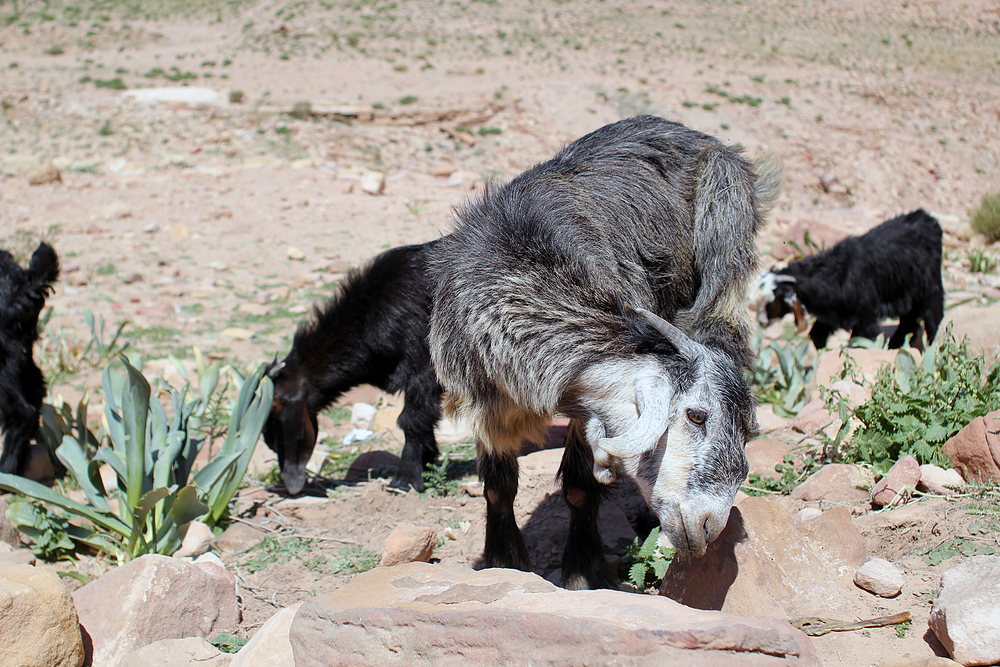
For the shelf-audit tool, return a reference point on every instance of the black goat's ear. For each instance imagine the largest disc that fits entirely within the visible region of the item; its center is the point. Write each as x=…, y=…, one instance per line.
x=44, y=265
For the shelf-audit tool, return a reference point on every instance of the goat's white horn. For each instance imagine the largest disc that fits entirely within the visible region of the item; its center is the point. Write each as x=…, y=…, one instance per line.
x=276, y=367
x=652, y=395
x=676, y=337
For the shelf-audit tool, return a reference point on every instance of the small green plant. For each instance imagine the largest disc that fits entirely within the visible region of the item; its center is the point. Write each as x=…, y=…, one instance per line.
x=155, y=493
x=645, y=564
x=275, y=549
x=228, y=643
x=437, y=482
x=235, y=96
x=901, y=629
x=915, y=408
x=61, y=356
x=986, y=218
x=808, y=248
x=114, y=84
x=981, y=261
x=49, y=531
x=408, y=99
x=791, y=476
x=781, y=374
x=354, y=559
x=959, y=545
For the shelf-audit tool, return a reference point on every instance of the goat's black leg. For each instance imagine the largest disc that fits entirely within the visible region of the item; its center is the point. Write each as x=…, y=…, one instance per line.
x=908, y=324
x=19, y=427
x=819, y=334
x=504, y=544
x=583, y=562
x=933, y=313
x=421, y=413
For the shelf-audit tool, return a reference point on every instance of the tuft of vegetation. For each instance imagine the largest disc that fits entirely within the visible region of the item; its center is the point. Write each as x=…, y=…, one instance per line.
x=438, y=482
x=791, y=476
x=780, y=375
x=915, y=408
x=154, y=493
x=986, y=218
x=644, y=565
x=228, y=643
x=114, y=84
x=981, y=261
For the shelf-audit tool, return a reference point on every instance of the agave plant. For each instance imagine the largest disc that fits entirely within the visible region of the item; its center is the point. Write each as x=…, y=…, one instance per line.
x=154, y=495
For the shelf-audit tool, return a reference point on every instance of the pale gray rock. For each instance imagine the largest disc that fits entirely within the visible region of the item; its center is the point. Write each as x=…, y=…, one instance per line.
x=880, y=577
x=270, y=646
x=937, y=480
x=419, y=614
x=966, y=612
x=805, y=514
x=40, y=174
x=836, y=541
x=155, y=597
x=38, y=623
x=188, y=652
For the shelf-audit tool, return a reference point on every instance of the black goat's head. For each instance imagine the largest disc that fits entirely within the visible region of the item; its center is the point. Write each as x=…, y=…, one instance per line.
x=23, y=292
x=776, y=298
x=291, y=428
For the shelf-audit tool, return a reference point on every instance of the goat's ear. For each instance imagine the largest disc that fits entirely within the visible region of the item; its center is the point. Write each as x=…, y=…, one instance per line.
x=677, y=338
x=44, y=265
x=275, y=367
x=798, y=312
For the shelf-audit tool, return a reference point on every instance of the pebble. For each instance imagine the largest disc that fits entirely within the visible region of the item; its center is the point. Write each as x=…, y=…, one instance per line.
x=880, y=577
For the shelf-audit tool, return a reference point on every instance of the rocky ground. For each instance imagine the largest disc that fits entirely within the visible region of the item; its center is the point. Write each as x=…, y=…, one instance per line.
x=222, y=165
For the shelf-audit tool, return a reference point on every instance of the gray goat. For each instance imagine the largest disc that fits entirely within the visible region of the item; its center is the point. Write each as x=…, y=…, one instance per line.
x=555, y=295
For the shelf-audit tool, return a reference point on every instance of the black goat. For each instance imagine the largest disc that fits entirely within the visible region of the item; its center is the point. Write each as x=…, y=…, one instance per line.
x=22, y=386
x=373, y=332
x=894, y=270
x=555, y=294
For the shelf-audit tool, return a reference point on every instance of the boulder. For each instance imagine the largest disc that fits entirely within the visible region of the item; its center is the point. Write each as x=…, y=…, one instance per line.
x=197, y=538
x=835, y=540
x=896, y=487
x=763, y=454
x=759, y=565
x=768, y=421
x=177, y=653
x=409, y=543
x=975, y=450
x=838, y=483
x=38, y=623
x=813, y=417
x=155, y=597
x=923, y=661
x=420, y=614
x=979, y=325
x=934, y=479
x=966, y=612
x=880, y=577
x=270, y=646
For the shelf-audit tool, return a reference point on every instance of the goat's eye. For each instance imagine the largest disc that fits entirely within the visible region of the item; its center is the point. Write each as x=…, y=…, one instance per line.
x=697, y=416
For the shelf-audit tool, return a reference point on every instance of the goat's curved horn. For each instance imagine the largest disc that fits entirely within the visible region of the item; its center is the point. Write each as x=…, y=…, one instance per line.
x=783, y=278
x=275, y=367
x=652, y=397
x=677, y=338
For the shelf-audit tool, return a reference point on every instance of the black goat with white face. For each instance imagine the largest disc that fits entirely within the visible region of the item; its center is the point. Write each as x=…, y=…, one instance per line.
x=22, y=386
x=373, y=332
x=607, y=285
x=894, y=270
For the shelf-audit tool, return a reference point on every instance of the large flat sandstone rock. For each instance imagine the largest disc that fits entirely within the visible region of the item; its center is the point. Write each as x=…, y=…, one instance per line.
x=420, y=614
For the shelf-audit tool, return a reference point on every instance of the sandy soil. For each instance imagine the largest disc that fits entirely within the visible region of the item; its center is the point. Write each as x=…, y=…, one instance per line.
x=219, y=224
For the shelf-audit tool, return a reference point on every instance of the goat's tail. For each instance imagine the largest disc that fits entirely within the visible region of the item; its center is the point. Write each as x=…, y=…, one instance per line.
x=731, y=197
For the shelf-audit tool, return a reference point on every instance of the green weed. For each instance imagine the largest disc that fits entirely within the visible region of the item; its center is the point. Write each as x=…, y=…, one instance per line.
x=981, y=261
x=645, y=565
x=986, y=218
x=228, y=643
x=791, y=476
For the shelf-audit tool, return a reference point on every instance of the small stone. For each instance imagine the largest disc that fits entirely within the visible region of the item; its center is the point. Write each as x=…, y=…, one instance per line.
x=409, y=544
x=38, y=621
x=363, y=412
x=898, y=484
x=938, y=480
x=196, y=540
x=180, y=232
x=373, y=182
x=151, y=228
x=880, y=577
x=270, y=645
x=295, y=254
x=17, y=164
x=43, y=173
x=812, y=417
x=237, y=333
x=132, y=277
x=441, y=169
